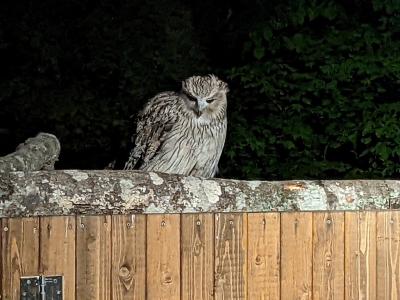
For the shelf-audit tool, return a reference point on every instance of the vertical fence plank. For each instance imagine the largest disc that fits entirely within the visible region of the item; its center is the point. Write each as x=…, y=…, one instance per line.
x=57, y=250
x=360, y=255
x=328, y=256
x=163, y=256
x=367, y=254
x=388, y=255
x=231, y=256
x=351, y=256
x=128, y=257
x=93, y=257
x=197, y=256
x=20, y=253
x=296, y=255
x=263, y=256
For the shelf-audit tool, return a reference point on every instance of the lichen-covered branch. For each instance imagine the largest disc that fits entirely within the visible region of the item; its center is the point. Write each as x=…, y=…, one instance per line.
x=37, y=153
x=96, y=192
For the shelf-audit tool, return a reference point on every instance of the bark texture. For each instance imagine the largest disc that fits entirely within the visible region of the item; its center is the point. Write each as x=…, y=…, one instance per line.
x=67, y=192
x=37, y=153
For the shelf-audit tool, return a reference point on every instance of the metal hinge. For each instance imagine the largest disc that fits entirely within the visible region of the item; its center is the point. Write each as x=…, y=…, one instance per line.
x=41, y=288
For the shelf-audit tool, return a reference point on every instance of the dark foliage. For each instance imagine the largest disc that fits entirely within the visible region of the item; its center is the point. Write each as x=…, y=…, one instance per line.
x=322, y=89
x=80, y=69
x=315, y=84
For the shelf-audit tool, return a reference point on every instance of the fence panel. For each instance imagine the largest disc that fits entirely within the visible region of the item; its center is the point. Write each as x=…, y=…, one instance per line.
x=328, y=256
x=163, y=256
x=20, y=253
x=93, y=258
x=263, y=256
x=301, y=255
x=296, y=256
x=197, y=238
x=360, y=252
x=230, y=256
x=388, y=255
x=128, y=262
x=57, y=250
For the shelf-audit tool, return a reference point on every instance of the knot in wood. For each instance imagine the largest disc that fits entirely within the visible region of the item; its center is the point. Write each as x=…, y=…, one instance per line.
x=258, y=260
x=197, y=246
x=124, y=272
x=168, y=278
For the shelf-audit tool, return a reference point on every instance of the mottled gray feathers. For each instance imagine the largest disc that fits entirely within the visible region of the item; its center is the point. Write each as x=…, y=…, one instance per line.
x=182, y=132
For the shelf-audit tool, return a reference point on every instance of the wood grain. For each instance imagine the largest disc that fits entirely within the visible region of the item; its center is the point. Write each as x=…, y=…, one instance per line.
x=163, y=256
x=360, y=255
x=388, y=255
x=20, y=253
x=57, y=250
x=230, y=256
x=296, y=256
x=93, y=257
x=128, y=257
x=197, y=255
x=263, y=240
x=328, y=256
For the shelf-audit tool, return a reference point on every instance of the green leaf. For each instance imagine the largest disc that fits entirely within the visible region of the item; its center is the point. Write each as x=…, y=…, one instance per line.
x=267, y=33
x=259, y=53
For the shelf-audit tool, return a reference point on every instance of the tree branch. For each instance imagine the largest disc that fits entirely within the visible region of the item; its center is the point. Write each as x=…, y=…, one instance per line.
x=97, y=192
x=37, y=153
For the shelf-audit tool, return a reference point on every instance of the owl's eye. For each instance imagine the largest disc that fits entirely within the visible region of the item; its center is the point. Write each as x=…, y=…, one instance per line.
x=210, y=100
x=191, y=98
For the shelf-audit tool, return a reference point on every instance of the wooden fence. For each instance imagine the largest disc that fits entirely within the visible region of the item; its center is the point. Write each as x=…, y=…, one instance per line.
x=288, y=255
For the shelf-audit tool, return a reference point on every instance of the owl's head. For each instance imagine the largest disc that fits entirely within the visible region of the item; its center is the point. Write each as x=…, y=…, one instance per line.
x=205, y=95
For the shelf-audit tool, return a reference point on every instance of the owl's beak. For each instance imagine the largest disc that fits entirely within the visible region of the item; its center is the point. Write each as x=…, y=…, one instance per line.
x=201, y=105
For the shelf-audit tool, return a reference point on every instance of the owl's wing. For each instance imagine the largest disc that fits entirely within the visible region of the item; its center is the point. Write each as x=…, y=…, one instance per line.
x=154, y=123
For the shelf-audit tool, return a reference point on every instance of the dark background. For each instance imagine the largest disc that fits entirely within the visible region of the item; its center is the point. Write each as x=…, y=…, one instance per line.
x=315, y=85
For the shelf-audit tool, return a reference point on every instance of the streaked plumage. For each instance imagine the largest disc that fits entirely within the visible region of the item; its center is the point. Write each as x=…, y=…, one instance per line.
x=182, y=132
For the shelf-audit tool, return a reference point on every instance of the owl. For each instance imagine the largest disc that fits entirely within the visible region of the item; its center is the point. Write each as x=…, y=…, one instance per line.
x=182, y=132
